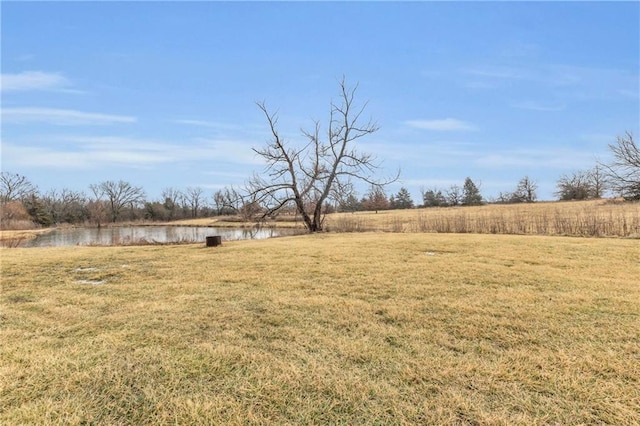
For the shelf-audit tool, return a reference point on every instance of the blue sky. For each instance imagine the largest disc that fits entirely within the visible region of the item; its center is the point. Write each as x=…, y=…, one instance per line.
x=162, y=94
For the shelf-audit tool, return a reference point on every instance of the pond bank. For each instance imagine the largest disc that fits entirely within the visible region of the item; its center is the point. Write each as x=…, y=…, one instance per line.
x=7, y=236
x=142, y=235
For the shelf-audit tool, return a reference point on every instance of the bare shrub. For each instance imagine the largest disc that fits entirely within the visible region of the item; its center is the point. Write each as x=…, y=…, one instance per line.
x=12, y=242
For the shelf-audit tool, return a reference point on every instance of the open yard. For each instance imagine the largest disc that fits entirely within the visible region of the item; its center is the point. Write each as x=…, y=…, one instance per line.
x=365, y=328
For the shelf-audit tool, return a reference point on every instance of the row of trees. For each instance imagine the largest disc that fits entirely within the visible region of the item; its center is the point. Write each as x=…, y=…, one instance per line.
x=108, y=201
x=467, y=195
x=376, y=199
x=114, y=201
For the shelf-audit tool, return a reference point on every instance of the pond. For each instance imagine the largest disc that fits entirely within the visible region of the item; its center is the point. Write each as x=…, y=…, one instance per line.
x=148, y=235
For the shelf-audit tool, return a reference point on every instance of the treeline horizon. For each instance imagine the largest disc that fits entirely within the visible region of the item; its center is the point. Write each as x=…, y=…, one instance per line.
x=23, y=205
x=110, y=202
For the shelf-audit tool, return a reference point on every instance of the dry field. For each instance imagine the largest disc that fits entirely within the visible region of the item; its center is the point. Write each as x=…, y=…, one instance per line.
x=596, y=218
x=368, y=328
x=599, y=218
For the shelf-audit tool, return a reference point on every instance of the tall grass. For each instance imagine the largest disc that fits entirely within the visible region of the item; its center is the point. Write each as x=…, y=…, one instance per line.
x=13, y=238
x=582, y=219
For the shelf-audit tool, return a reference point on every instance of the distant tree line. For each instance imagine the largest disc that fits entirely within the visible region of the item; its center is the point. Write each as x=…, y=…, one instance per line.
x=118, y=201
x=104, y=202
x=376, y=199
x=467, y=195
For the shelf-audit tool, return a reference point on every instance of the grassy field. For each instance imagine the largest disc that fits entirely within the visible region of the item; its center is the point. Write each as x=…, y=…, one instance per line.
x=593, y=218
x=596, y=218
x=367, y=328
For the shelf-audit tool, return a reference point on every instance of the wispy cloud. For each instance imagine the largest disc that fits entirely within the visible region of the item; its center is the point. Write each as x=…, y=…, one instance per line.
x=573, y=82
x=208, y=124
x=228, y=150
x=550, y=74
x=89, y=157
x=200, y=123
x=92, y=152
x=223, y=174
x=442, y=125
x=538, y=106
x=33, y=80
x=40, y=157
x=499, y=72
x=61, y=117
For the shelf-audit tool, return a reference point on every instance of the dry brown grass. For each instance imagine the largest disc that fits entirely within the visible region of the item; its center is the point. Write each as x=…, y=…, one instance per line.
x=364, y=328
x=12, y=238
x=595, y=218
x=582, y=219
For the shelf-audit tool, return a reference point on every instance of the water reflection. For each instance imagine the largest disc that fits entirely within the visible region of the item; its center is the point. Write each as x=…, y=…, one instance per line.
x=148, y=234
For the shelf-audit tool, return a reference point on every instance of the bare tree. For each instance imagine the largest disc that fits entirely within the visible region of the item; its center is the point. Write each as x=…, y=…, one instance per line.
x=599, y=181
x=583, y=184
x=577, y=186
x=194, y=196
x=171, y=197
x=347, y=198
x=525, y=191
x=97, y=208
x=118, y=195
x=454, y=195
x=623, y=172
x=218, y=201
x=66, y=206
x=228, y=200
x=250, y=210
x=14, y=186
x=320, y=170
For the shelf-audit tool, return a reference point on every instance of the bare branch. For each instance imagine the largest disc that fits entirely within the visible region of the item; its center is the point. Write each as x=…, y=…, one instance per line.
x=623, y=173
x=118, y=194
x=321, y=169
x=14, y=186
